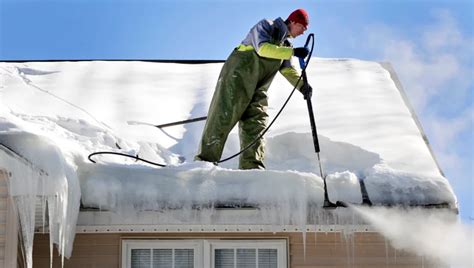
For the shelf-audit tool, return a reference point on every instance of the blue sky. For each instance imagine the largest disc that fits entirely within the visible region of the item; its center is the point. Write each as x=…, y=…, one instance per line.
x=429, y=43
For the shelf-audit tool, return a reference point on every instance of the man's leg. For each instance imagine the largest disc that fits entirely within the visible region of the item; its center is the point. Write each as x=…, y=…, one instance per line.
x=229, y=102
x=252, y=123
x=254, y=119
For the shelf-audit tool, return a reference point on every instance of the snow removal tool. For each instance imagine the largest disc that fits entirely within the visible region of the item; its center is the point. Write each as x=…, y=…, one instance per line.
x=177, y=123
x=303, y=64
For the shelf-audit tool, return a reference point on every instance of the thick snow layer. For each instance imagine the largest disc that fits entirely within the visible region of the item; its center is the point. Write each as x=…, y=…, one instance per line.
x=56, y=113
x=197, y=184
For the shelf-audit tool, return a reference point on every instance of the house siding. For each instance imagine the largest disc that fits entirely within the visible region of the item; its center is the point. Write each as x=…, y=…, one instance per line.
x=332, y=249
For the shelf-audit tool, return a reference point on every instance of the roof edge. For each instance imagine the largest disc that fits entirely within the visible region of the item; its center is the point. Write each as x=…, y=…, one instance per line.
x=387, y=66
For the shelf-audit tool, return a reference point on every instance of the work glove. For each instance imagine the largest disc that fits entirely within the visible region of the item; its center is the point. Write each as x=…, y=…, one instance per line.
x=307, y=91
x=300, y=52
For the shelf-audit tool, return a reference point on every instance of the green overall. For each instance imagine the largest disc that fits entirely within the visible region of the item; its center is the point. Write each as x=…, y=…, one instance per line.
x=240, y=96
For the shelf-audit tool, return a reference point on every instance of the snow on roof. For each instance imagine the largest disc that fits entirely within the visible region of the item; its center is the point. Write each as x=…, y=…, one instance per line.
x=67, y=110
x=363, y=122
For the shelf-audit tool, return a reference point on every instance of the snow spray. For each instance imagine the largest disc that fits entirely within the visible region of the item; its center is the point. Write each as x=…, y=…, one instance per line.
x=435, y=234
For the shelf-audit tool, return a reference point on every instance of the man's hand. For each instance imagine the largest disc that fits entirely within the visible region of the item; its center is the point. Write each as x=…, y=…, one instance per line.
x=300, y=52
x=307, y=91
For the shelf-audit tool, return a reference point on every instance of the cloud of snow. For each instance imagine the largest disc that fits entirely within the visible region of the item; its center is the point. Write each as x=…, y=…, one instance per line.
x=437, y=235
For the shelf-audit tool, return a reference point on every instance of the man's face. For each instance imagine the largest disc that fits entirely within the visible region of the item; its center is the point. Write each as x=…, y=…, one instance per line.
x=296, y=29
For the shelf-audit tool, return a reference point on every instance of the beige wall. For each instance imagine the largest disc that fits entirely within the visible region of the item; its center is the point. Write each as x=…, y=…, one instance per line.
x=322, y=250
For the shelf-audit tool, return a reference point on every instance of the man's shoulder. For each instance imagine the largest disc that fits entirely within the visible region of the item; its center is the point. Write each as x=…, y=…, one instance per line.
x=278, y=20
x=265, y=22
x=269, y=24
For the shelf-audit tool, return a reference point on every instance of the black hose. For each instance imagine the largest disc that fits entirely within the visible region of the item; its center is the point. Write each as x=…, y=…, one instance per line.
x=125, y=155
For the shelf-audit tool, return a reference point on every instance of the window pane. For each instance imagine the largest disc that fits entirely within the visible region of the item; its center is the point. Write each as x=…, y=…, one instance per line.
x=246, y=258
x=162, y=258
x=141, y=258
x=267, y=258
x=183, y=258
x=224, y=258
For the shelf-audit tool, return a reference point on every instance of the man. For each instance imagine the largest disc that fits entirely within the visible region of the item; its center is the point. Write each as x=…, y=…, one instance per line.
x=241, y=90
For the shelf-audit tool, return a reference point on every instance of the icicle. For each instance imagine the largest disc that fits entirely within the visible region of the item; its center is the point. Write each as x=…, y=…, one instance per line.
x=303, y=233
x=22, y=187
x=347, y=237
x=353, y=248
x=43, y=207
x=26, y=208
x=315, y=238
x=344, y=240
x=52, y=227
x=395, y=255
x=303, y=215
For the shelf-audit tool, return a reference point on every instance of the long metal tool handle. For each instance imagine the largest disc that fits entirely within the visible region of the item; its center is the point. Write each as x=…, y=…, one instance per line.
x=314, y=130
x=308, y=98
x=182, y=122
x=327, y=202
x=311, y=119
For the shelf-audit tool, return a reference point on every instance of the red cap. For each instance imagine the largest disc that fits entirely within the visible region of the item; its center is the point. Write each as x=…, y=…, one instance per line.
x=299, y=16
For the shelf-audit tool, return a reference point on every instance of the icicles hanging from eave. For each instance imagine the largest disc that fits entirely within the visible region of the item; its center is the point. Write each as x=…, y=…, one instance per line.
x=60, y=190
x=22, y=185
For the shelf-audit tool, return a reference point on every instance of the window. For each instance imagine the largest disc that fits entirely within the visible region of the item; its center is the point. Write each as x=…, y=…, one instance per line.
x=204, y=253
x=161, y=254
x=247, y=253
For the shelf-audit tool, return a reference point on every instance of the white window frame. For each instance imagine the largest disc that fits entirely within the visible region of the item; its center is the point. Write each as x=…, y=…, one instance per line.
x=204, y=249
x=128, y=245
x=279, y=244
